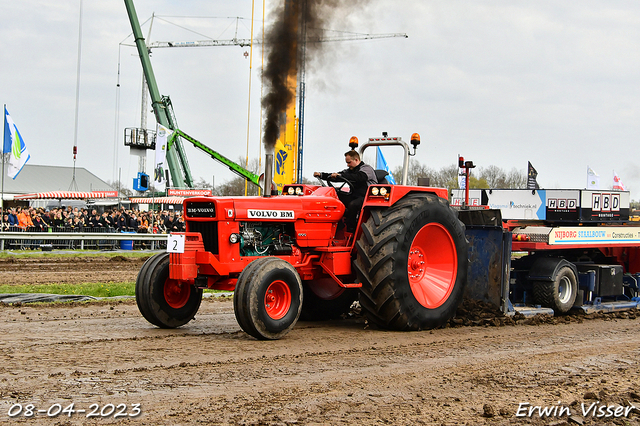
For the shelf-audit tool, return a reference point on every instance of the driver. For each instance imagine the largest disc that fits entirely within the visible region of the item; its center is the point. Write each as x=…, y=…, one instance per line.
x=359, y=176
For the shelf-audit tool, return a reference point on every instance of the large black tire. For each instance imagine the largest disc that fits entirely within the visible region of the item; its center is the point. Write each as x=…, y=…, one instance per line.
x=268, y=298
x=412, y=260
x=559, y=294
x=164, y=302
x=326, y=307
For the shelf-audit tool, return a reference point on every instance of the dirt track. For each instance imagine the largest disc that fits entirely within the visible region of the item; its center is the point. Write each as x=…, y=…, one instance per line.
x=69, y=269
x=340, y=372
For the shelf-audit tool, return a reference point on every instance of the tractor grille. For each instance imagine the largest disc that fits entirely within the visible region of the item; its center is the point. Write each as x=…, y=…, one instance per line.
x=209, y=231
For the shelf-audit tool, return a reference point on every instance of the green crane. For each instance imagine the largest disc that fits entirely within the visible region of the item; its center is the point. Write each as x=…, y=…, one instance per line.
x=163, y=110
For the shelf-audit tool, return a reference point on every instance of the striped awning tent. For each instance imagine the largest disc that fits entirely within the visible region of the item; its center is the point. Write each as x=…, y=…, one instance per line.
x=157, y=200
x=67, y=195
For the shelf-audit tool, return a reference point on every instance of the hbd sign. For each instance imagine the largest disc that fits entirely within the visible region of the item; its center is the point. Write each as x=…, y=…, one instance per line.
x=562, y=204
x=603, y=202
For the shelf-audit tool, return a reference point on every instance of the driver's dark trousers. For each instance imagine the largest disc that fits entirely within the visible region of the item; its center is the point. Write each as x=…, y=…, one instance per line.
x=353, y=206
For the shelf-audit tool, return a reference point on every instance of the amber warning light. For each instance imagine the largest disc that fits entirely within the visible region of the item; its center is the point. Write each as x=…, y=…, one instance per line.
x=353, y=142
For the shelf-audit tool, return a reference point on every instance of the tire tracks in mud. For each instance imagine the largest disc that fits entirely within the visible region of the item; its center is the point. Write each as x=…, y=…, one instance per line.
x=321, y=373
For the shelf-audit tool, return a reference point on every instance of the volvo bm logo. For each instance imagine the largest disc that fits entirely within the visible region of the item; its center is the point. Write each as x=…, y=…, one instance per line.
x=270, y=214
x=201, y=210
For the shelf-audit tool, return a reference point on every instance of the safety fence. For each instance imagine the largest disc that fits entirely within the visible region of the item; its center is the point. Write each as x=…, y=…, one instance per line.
x=81, y=239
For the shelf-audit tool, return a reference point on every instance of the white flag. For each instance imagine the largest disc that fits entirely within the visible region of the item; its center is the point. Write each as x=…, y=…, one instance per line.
x=159, y=177
x=13, y=143
x=617, y=183
x=593, y=180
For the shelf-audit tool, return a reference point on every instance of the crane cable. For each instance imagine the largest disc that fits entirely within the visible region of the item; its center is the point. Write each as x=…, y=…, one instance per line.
x=246, y=165
x=261, y=89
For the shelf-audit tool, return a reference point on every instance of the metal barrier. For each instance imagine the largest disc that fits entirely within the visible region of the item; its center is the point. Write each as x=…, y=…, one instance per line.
x=85, y=240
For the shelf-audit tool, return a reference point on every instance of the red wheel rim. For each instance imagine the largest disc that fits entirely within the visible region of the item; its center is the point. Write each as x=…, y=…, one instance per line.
x=176, y=294
x=277, y=300
x=432, y=266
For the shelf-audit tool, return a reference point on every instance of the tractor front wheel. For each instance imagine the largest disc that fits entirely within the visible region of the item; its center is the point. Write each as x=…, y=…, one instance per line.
x=162, y=301
x=412, y=261
x=268, y=298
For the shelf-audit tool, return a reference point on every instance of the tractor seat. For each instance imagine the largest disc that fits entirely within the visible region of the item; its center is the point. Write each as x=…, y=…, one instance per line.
x=380, y=175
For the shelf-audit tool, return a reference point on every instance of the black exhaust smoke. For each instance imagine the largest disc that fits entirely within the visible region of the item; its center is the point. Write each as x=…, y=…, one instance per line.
x=284, y=45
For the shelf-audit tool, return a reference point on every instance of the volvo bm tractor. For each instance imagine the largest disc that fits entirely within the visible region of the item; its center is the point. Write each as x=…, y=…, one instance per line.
x=287, y=256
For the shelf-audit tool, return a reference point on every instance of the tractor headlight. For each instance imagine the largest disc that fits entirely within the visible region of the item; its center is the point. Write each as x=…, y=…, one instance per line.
x=234, y=238
x=383, y=191
x=375, y=191
x=290, y=190
x=299, y=190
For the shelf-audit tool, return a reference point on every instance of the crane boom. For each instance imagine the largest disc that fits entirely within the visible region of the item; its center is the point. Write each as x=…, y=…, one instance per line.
x=233, y=166
x=247, y=42
x=176, y=160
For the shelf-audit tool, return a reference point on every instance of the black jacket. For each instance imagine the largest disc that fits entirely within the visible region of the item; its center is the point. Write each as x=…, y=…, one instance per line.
x=361, y=176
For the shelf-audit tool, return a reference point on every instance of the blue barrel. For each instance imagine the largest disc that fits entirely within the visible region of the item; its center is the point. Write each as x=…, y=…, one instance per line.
x=126, y=244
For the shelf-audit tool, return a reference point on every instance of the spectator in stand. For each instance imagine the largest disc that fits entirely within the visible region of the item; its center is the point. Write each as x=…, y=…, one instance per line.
x=84, y=215
x=121, y=221
x=13, y=219
x=48, y=218
x=162, y=229
x=143, y=226
x=58, y=220
x=38, y=224
x=168, y=222
x=178, y=225
x=105, y=222
x=133, y=222
x=94, y=220
x=112, y=219
x=76, y=224
x=24, y=218
x=5, y=222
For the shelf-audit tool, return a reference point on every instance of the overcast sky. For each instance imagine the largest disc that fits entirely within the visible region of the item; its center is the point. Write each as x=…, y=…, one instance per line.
x=499, y=82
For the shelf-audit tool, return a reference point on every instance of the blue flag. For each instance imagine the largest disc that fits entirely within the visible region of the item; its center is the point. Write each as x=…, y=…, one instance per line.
x=14, y=145
x=381, y=164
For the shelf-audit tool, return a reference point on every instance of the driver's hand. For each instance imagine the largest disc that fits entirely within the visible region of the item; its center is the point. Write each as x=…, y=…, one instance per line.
x=316, y=174
x=335, y=175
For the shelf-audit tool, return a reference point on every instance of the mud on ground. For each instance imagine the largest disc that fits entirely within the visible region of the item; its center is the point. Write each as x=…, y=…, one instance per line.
x=69, y=269
x=480, y=370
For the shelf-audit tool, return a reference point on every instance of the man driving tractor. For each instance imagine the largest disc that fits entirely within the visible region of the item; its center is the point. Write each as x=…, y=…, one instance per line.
x=359, y=176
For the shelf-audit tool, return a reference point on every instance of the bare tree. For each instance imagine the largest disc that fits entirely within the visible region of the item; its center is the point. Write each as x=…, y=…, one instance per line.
x=494, y=176
x=119, y=186
x=516, y=179
x=236, y=186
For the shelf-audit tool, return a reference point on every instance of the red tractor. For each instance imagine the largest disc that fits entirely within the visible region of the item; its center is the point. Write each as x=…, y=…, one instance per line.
x=285, y=257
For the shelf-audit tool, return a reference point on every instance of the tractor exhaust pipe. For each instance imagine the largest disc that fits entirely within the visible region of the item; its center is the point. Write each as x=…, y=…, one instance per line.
x=268, y=175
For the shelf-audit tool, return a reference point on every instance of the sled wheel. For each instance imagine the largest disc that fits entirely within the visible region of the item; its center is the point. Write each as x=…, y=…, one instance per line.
x=559, y=294
x=268, y=298
x=162, y=301
x=325, y=300
x=412, y=261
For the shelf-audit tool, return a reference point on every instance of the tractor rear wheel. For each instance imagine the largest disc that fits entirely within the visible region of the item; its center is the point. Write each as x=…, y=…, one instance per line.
x=162, y=301
x=412, y=260
x=268, y=298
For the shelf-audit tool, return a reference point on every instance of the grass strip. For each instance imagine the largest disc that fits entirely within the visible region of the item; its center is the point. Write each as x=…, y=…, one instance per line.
x=84, y=289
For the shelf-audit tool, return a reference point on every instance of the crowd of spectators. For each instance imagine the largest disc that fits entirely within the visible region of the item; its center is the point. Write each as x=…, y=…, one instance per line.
x=74, y=219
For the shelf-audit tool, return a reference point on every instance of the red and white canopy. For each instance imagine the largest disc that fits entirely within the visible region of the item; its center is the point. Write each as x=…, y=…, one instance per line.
x=157, y=200
x=67, y=195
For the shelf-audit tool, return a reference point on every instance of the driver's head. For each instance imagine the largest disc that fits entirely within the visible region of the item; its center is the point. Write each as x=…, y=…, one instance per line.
x=352, y=158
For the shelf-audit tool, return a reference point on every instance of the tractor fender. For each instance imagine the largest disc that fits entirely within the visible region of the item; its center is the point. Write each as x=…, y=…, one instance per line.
x=546, y=268
x=400, y=192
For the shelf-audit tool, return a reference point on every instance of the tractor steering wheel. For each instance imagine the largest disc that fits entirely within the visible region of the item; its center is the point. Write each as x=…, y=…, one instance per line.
x=340, y=184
